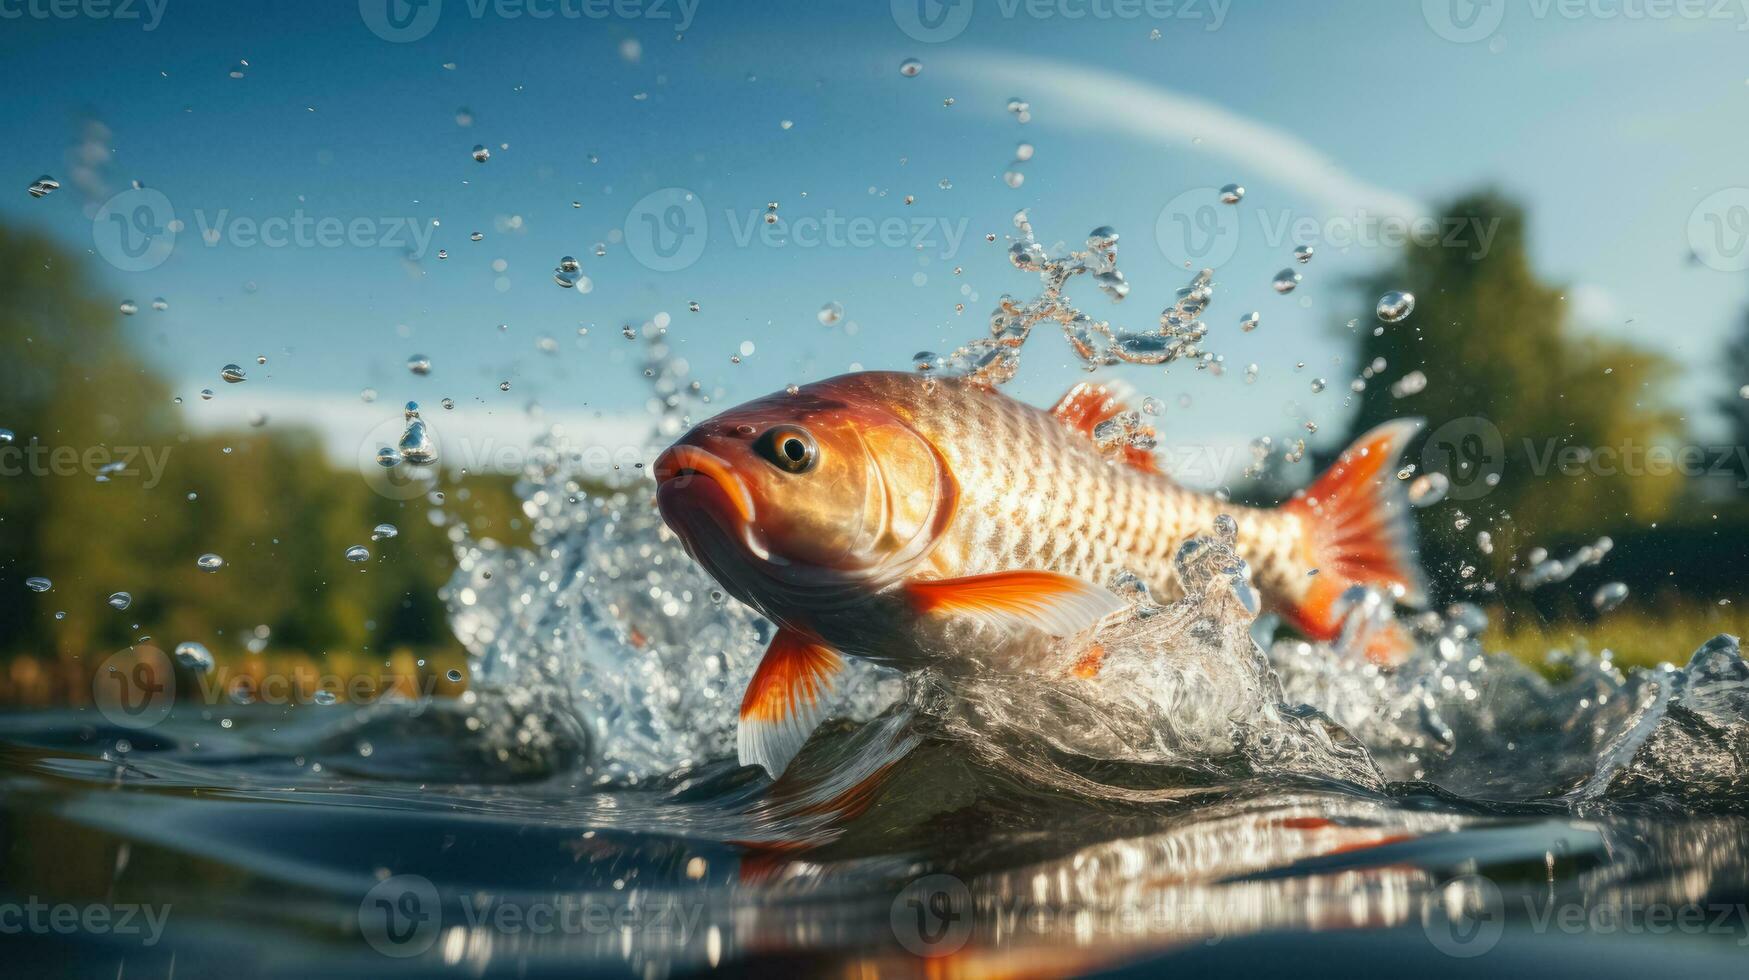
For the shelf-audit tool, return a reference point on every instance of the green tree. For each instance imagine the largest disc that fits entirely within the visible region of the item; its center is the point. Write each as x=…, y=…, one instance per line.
x=1496, y=343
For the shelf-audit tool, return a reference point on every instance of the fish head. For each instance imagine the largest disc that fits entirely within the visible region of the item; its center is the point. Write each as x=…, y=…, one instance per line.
x=805, y=497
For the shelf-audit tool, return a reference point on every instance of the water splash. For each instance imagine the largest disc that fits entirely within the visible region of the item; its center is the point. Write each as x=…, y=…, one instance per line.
x=994, y=360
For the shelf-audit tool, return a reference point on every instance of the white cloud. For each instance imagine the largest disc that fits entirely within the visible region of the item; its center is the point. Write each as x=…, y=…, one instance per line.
x=1085, y=98
x=470, y=436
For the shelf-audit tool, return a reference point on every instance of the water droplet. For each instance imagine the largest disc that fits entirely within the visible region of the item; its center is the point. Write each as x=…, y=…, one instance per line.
x=160, y=304
x=1428, y=489
x=416, y=445
x=831, y=313
x=1232, y=194
x=324, y=697
x=194, y=656
x=1023, y=152
x=7, y=437
x=120, y=600
x=1250, y=321
x=481, y=154
x=1318, y=385
x=210, y=562
x=692, y=305
x=1285, y=281
x=1014, y=178
x=37, y=583
x=206, y=394
x=43, y=186
x=358, y=552
x=503, y=386
x=1395, y=305
x=1303, y=254
x=1609, y=595
x=383, y=531
x=232, y=374
x=129, y=307
x=419, y=364
x=387, y=457
x=448, y=404
x=568, y=273
x=910, y=67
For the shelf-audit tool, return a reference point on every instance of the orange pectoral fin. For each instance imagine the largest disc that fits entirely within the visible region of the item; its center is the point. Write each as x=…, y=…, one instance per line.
x=785, y=701
x=1061, y=605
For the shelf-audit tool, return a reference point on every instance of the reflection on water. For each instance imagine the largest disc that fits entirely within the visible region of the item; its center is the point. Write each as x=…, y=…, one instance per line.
x=274, y=848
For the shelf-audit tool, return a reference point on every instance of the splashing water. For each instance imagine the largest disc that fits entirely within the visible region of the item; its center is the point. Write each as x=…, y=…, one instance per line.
x=994, y=360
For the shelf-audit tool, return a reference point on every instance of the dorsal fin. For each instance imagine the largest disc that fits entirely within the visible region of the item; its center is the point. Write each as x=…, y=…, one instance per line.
x=1087, y=404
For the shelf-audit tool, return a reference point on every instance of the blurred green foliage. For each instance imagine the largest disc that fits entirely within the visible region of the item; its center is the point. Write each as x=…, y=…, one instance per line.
x=268, y=500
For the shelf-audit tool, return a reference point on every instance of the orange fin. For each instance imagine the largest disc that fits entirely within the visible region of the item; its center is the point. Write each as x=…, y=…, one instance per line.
x=1061, y=605
x=1357, y=530
x=785, y=700
x=1086, y=405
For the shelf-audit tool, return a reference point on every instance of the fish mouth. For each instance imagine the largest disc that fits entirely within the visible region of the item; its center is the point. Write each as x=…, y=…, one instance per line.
x=681, y=468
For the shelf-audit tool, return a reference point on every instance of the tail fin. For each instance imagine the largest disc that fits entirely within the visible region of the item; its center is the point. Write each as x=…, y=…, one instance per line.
x=1358, y=530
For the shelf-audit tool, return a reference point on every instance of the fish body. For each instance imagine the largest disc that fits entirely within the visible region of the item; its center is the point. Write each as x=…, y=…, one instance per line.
x=917, y=521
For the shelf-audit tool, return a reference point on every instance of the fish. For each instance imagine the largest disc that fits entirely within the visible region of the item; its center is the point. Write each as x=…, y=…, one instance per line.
x=916, y=521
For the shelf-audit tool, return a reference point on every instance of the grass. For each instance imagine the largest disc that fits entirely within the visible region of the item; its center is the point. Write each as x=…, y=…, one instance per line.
x=1639, y=637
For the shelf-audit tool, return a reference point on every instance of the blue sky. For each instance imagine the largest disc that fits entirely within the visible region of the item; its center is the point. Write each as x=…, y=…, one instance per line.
x=1612, y=121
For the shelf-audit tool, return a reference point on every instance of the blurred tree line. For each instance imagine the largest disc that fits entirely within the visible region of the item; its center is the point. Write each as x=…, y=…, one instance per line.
x=1551, y=436
x=267, y=500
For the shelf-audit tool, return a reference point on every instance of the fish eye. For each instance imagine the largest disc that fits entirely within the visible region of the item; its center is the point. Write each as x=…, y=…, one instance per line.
x=790, y=448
